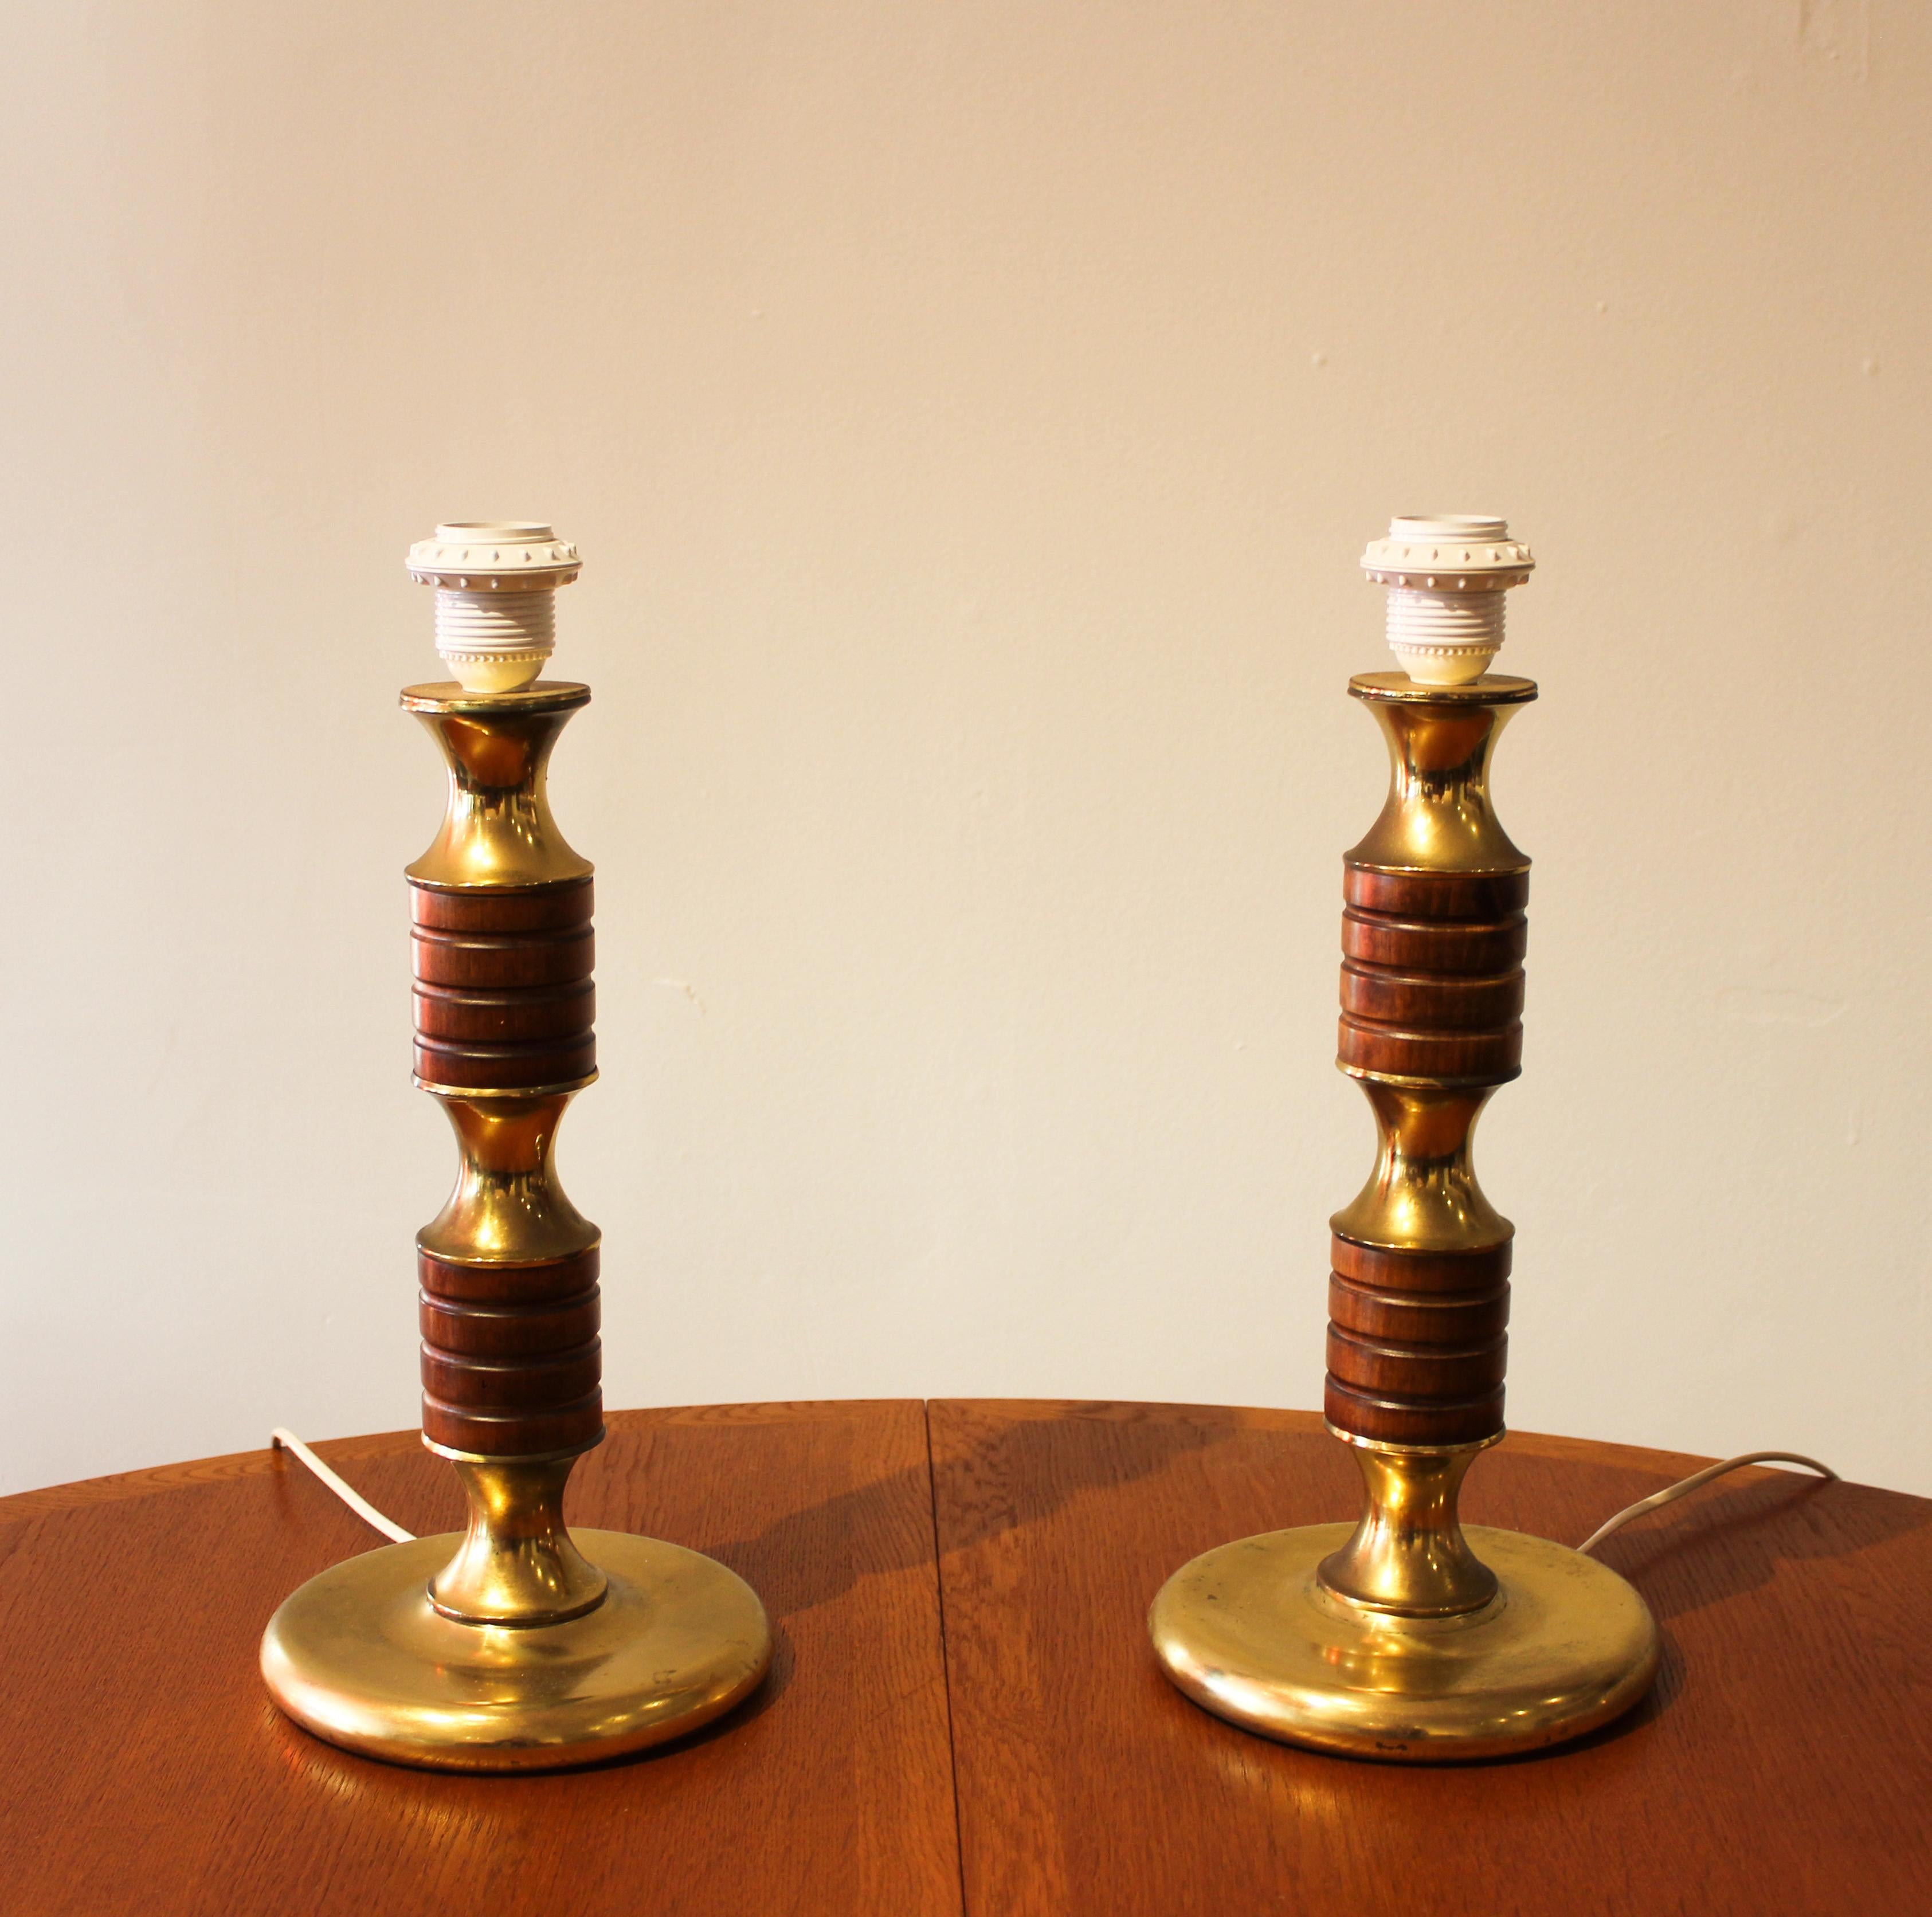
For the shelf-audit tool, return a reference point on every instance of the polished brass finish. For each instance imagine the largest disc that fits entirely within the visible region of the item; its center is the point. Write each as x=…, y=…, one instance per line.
x=1407, y=1555
x=497, y=829
x=1438, y=816
x=510, y=1648
x=517, y=1564
x=1250, y=1632
x=361, y=1657
x=1406, y=1637
x=1422, y=1194
x=507, y=1206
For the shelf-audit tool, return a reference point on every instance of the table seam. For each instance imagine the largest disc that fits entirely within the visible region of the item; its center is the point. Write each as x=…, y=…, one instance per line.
x=945, y=1658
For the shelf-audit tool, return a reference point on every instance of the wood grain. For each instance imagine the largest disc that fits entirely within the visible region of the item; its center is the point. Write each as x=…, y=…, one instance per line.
x=146, y=1771
x=1780, y=1766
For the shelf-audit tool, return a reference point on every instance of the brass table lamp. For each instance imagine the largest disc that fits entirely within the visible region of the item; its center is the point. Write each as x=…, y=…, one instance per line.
x=507, y=1647
x=1404, y=1636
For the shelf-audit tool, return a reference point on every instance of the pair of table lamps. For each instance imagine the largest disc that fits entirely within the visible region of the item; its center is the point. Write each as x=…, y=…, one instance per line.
x=518, y=1646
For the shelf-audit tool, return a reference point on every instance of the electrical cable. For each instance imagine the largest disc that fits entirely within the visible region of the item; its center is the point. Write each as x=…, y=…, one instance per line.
x=287, y=1440
x=1655, y=1501
x=1685, y=1486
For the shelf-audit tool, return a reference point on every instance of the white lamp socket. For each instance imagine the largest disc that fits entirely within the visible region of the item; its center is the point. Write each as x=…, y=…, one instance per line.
x=495, y=584
x=1446, y=575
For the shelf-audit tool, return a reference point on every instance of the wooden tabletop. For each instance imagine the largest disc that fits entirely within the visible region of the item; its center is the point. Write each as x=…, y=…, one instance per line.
x=1028, y=1756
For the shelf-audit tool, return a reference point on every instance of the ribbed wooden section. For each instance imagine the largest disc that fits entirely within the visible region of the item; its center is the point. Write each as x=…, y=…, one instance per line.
x=1416, y=1343
x=503, y=997
x=1432, y=990
x=1432, y=975
x=511, y=1358
x=511, y=1362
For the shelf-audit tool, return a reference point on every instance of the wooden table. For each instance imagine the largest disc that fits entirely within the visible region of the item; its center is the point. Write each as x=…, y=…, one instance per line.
x=965, y=1713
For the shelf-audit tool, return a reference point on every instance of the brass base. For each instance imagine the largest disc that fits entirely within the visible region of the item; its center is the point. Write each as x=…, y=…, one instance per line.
x=360, y=1656
x=1248, y=1632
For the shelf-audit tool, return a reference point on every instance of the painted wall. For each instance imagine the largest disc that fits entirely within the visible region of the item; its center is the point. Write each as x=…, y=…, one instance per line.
x=971, y=415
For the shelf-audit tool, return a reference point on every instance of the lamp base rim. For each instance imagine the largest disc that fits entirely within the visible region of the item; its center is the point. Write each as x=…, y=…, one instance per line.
x=1246, y=1631
x=360, y=1657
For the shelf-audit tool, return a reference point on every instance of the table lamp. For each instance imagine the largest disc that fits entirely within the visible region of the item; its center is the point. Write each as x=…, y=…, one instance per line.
x=1406, y=1637
x=512, y=1645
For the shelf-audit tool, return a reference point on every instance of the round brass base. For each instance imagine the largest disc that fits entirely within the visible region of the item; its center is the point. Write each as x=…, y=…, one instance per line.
x=1247, y=1632
x=359, y=1656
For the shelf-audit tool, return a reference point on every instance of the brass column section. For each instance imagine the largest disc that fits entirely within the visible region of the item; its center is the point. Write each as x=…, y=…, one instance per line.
x=1432, y=937
x=508, y=1646
x=509, y=1305
x=1403, y=1636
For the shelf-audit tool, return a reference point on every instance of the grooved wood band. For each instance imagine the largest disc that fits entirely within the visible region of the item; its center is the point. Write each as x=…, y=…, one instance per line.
x=495, y=1331
x=502, y=909
x=505, y=1067
x=554, y=1281
x=511, y=1358
x=1431, y=990
x=1401, y=1317
x=520, y=1434
x=1397, y=1421
x=503, y=961
x=525, y=1384
x=504, y=1001
x=502, y=1017
x=1462, y=1057
x=503, y=997
x=1483, y=948
x=1433, y=895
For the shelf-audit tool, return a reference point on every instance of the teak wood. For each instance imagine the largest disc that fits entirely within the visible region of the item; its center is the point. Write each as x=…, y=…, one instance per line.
x=1780, y=1766
x=511, y=1362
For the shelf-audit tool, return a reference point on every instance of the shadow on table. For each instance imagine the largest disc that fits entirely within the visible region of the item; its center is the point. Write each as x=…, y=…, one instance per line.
x=1027, y=1472
x=1781, y=1518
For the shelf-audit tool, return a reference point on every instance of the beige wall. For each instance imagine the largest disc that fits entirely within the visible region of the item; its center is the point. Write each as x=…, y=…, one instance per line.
x=972, y=415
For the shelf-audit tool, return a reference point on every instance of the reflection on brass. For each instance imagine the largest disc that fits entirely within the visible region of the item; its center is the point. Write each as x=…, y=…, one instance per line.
x=517, y=1564
x=361, y=1657
x=1438, y=816
x=1423, y=1195
x=507, y=1205
x=1407, y=1555
x=497, y=829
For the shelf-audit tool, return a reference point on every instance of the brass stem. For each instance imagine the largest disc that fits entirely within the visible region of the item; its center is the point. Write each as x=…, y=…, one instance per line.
x=497, y=829
x=517, y=1564
x=1422, y=1195
x=1407, y=1555
x=1438, y=816
x=507, y=1203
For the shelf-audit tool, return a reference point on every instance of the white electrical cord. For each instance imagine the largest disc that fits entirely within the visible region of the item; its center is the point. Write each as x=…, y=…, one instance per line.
x=356, y=1502
x=1685, y=1486
x=363, y=1509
